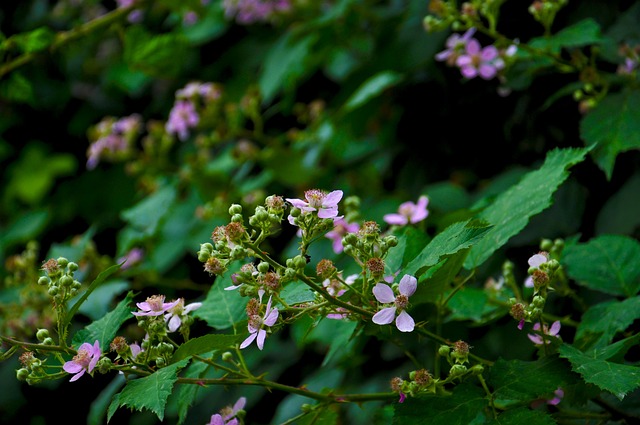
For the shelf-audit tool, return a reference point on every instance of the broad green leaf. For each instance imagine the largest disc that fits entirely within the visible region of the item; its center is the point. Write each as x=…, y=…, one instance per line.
x=222, y=309
x=511, y=210
x=146, y=214
x=372, y=87
x=618, y=379
x=25, y=227
x=158, y=55
x=454, y=238
x=613, y=127
x=296, y=293
x=439, y=277
x=34, y=41
x=150, y=392
x=321, y=416
x=461, y=408
x=518, y=382
x=616, y=351
x=523, y=415
x=608, y=263
x=105, y=329
x=186, y=394
x=411, y=242
x=99, y=301
x=582, y=33
x=343, y=332
x=472, y=304
x=601, y=322
x=285, y=64
x=620, y=215
x=98, y=280
x=204, y=344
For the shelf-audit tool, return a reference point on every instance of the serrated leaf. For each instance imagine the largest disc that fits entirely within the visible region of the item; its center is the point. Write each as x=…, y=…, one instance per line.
x=616, y=378
x=523, y=415
x=582, y=33
x=158, y=55
x=601, y=322
x=456, y=237
x=205, y=344
x=186, y=394
x=222, y=309
x=411, y=242
x=511, y=210
x=105, y=329
x=612, y=126
x=608, y=263
x=461, y=408
x=372, y=87
x=296, y=293
x=150, y=392
x=621, y=213
x=518, y=382
x=439, y=277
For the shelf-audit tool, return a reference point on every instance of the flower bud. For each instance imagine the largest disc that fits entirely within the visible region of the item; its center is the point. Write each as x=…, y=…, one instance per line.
x=457, y=370
x=66, y=280
x=42, y=334
x=22, y=374
x=444, y=350
x=43, y=280
x=237, y=218
x=299, y=262
x=72, y=267
x=263, y=267
x=546, y=245
x=477, y=369
x=235, y=209
x=62, y=262
x=227, y=356
x=53, y=290
x=48, y=341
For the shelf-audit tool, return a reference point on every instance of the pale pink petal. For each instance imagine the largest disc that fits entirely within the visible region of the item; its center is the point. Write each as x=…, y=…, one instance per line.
x=469, y=72
x=72, y=367
x=383, y=293
x=537, y=260
x=271, y=318
x=262, y=334
x=332, y=198
x=395, y=219
x=216, y=420
x=555, y=328
x=489, y=53
x=248, y=341
x=404, y=322
x=77, y=376
x=473, y=47
x=174, y=323
x=536, y=339
x=486, y=71
x=384, y=316
x=408, y=285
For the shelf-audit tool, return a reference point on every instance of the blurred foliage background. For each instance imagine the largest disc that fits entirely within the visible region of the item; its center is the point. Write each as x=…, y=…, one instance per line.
x=341, y=94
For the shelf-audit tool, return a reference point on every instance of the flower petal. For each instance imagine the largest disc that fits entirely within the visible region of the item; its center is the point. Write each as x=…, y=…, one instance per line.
x=555, y=328
x=332, y=199
x=248, y=341
x=262, y=334
x=383, y=293
x=408, y=285
x=384, y=316
x=404, y=322
x=394, y=218
x=271, y=318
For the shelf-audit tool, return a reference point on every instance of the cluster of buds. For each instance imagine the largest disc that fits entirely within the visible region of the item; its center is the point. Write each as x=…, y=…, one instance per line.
x=369, y=248
x=420, y=382
x=545, y=11
x=62, y=286
x=458, y=358
x=32, y=370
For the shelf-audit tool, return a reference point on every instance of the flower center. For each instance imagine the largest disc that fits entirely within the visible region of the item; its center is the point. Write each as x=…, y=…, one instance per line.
x=255, y=321
x=315, y=198
x=82, y=358
x=402, y=301
x=155, y=302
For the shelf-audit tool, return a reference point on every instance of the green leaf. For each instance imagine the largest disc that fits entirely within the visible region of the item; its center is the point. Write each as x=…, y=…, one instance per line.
x=25, y=227
x=456, y=237
x=99, y=406
x=17, y=88
x=105, y=329
x=222, y=309
x=297, y=293
x=580, y=34
x=616, y=378
x=601, y=322
x=34, y=41
x=186, y=394
x=411, y=242
x=612, y=126
x=439, y=277
x=621, y=213
x=158, y=55
x=462, y=408
x=284, y=64
x=98, y=280
x=608, y=263
x=150, y=392
x=146, y=214
x=372, y=87
x=511, y=210
x=321, y=416
x=523, y=415
x=518, y=382
x=204, y=344
x=471, y=304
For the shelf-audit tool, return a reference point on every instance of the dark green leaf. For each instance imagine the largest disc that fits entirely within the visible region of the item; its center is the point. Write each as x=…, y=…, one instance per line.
x=613, y=127
x=372, y=87
x=146, y=214
x=601, y=322
x=150, y=392
x=98, y=280
x=583, y=33
x=616, y=378
x=523, y=415
x=158, y=55
x=511, y=210
x=465, y=405
x=609, y=264
x=204, y=344
x=222, y=309
x=34, y=41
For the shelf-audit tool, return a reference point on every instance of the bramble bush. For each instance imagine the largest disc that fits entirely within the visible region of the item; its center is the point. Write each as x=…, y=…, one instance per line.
x=320, y=212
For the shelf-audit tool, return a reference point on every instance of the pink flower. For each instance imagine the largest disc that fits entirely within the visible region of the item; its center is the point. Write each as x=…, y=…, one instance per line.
x=182, y=117
x=326, y=204
x=476, y=61
x=456, y=45
x=134, y=256
x=384, y=294
x=408, y=212
x=176, y=314
x=558, y=396
x=341, y=228
x=84, y=361
x=255, y=326
x=227, y=415
x=553, y=331
x=535, y=261
x=154, y=306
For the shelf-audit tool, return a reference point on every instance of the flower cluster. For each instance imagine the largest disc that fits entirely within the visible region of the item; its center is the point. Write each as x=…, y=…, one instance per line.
x=229, y=415
x=113, y=139
x=247, y=12
x=184, y=114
